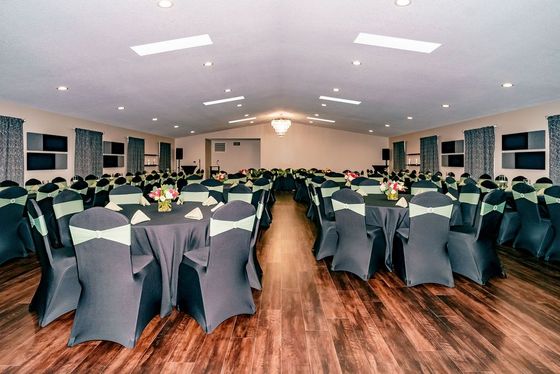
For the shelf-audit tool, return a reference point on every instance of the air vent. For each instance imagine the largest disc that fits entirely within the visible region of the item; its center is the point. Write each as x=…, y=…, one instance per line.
x=219, y=147
x=236, y=144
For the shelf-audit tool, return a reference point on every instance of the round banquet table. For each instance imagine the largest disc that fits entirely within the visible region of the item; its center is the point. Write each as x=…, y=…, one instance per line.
x=384, y=213
x=167, y=236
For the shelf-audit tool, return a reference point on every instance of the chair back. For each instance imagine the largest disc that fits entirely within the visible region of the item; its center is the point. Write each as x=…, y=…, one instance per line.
x=126, y=195
x=552, y=199
x=452, y=187
x=542, y=183
x=39, y=232
x=423, y=186
x=215, y=188
x=484, y=177
x=60, y=182
x=491, y=214
x=429, y=210
x=101, y=194
x=487, y=185
x=194, y=192
x=436, y=179
x=136, y=181
x=12, y=205
x=328, y=188
x=350, y=216
x=170, y=182
x=45, y=196
x=526, y=203
x=120, y=181
x=195, y=178
x=469, y=199
x=317, y=181
x=518, y=179
x=339, y=178
x=91, y=180
x=240, y=193
x=65, y=205
x=355, y=183
x=370, y=186
x=80, y=187
x=32, y=185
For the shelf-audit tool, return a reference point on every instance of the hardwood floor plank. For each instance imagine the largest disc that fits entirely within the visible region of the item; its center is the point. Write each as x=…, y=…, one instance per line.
x=322, y=354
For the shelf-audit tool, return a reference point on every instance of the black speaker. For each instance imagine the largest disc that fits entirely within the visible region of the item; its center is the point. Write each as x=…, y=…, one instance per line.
x=385, y=154
x=178, y=153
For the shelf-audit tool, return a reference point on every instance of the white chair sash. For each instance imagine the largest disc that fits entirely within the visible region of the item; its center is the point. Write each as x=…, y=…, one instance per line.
x=194, y=196
x=246, y=197
x=61, y=185
x=260, y=209
x=39, y=224
x=551, y=199
x=470, y=198
x=419, y=190
x=126, y=199
x=354, y=187
x=531, y=196
x=452, y=186
x=68, y=207
x=218, y=227
x=119, y=234
x=316, y=200
x=336, y=179
x=328, y=191
x=33, y=188
x=216, y=188
x=540, y=186
x=486, y=208
x=193, y=181
x=371, y=190
x=357, y=208
x=16, y=200
x=418, y=210
x=83, y=191
x=266, y=187
x=44, y=195
x=104, y=188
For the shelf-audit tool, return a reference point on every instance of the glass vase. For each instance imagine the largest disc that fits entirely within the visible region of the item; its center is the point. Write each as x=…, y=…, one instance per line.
x=164, y=206
x=393, y=195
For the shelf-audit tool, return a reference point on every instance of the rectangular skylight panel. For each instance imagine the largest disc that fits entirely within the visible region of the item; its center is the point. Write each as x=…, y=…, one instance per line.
x=172, y=45
x=243, y=119
x=321, y=119
x=339, y=100
x=221, y=101
x=396, y=43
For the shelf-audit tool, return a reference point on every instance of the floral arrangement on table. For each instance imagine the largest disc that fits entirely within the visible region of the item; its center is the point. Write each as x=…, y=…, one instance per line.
x=221, y=176
x=350, y=176
x=392, y=189
x=164, y=196
x=243, y=171
x=326, y=171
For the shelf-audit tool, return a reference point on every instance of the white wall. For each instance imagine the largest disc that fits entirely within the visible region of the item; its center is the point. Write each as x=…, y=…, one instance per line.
x=528, y=119
x=303, y=146
x=43, y=122
x=244, y=156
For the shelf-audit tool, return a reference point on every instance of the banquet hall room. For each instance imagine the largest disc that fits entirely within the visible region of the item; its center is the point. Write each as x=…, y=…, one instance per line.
x=280, y=186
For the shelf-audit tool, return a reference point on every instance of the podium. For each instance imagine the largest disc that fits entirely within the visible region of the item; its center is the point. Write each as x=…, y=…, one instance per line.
x=188, y=169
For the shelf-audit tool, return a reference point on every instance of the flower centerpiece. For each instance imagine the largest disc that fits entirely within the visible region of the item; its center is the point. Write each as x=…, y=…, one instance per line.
x=391, y=189
x=350, y=176
x=221, y=176
x=164, y=196
x=243, y=171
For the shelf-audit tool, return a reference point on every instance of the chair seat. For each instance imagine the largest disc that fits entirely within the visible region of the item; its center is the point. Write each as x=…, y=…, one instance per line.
x=140, y=262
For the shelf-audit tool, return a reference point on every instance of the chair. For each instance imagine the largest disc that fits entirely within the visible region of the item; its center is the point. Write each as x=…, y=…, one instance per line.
x=518, y=179
x=463, y=177
x=338, y=178
x=325, y=193
x=106, y=176
x=469, y=180
x=129, y=176
x=552, y=199
x=240, y=193
x=215, y=188
x=91, y=180
x=535, y=233
x=325, y=242
x=371, y=187
x=80, y=187
x=436, y=179
x=121, y=292
x=452, y=188
x=44, y=198
x=502, y=181
x=65, y=205
x=120, y=181
x=59, y=288
x=194, y=192
x=254, y=270
x=420, y=254
x=169, y=182
x=181, y=183
x=487, y=185
x=101, y=192
x=471, y=249
x=469, y=199
x=195, y=178
x=360, y=249
x=213, y=284
x=264, y=185
x=136, y=181
x=484, y=177
x=355, y=183
x=423, y=186
x=60, y=182
x=12, y=204
x=32, y=185
x=126, y=195
x=8, y=183
x=542, y=183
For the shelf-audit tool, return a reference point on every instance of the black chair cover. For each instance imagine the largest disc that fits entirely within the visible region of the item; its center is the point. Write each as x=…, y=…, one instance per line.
x=101, y=193
x=264, y=184
x=452, y=187
x=552, y=199
x=420, y=254
x=254, y=270
x=325, y=242
x=120, y=181
x=240, y=192
x=195, y=192
x=126, y=195
x=213, y=283
x=65, y=205
x=45, y=195
x=121, y=292
x=59, y=288
x=471, y=249
x=469, y=199
x=9, y=183
x=14, y=236
x=215, y=188
x=328, y=188
x=360, y=249
x=60, y=182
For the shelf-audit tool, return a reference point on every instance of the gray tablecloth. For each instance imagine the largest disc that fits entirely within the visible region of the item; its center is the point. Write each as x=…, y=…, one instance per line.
x=167, y=236
x=385, y=214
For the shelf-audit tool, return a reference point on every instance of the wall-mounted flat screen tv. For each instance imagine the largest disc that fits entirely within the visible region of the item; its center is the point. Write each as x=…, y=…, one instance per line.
x=110, y=161
x=117, y=148
x=46, y=142
x=41, y=161
x=511, y=142
x=530, y=160
x=456, y=161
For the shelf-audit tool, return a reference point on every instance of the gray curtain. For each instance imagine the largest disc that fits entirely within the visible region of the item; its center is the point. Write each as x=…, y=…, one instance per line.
x=164, y=156
x=88, y=157
x=399, y=156
x=554, y=151
x=479, y=151
x=429, y=159
x=11, y=149
x=135, y=155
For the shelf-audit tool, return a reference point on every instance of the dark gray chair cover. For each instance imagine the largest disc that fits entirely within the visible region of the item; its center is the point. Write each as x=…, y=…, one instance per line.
x=60, y=182
x=213, y=283
x=552, y=199
x=471, y=249
x=65, y=205
x=535, y=233
x=264, y=184
x=485, y=177
x=420, y=254
x=423, y=186
x=315, y=182
x=120, y=181
x=137, y=181
x=542, y=183
x=101, y=192
x=452, y=187
x=371, y=187
x=469, y=180
x=195, y=178
x=44, y=198
x=80, y=187
x=121, y=292
x=14, y=236
x=32, y=185
x=194, y=192
x=355, y=183
x=469, y=198
x=328, y=188
x=126, y=195
x=240, y=192
x=215, y=188
x=487, y=185
x=325, y=242
x=254, y=269
x=360, y=249
x=338, y=178
x=59, y=288
x=437, y=180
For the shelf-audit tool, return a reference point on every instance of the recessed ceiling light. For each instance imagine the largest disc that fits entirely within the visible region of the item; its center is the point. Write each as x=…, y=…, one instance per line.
x=310, y=121
x=316, y=114
x=339, y=100
x=176, y=126
x=246, y=114
x=208, y=64
x=239, y=105
x=402, y=2
x=323, y=104
x=396, y=43
x=321, y=119
x=387, y=125
x=370, y=130
x=336, y=89
x=224, y=100
x=356, y=63
x=409, y=117
x=507, y=85
x=192, y=131
x=445, y=105
x=62, y=88
x=165, y=3
x=154, y=119
x=227, y=90
x=252, y=122
x=120, y=108
x=242, y=119
x=172, y=45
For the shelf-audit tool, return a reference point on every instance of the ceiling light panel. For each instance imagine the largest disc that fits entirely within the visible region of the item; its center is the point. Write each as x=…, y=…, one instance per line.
x=221, y=101
x=172, y=45
x=321, y=119
x=242, y=120
x=396, y=43
x=339, y=100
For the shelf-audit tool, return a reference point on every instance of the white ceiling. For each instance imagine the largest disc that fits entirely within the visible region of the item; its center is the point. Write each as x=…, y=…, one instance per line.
x=281, y=55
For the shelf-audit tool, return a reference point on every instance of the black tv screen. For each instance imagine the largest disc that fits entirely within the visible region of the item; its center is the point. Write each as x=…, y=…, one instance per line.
x=456, y=161
x=511, y=142
x=55, y=143
x=448, y=147
x=530, y=160
x=41, y=161
x=117, y=148
x=110, y=161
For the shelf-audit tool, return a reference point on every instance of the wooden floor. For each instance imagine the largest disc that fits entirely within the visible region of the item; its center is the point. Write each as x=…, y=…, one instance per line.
x=312, y=320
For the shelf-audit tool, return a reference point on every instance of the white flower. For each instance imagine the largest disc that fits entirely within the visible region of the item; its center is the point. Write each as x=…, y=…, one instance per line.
x=168, y=195
x=383, y=187
x=162, y=198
